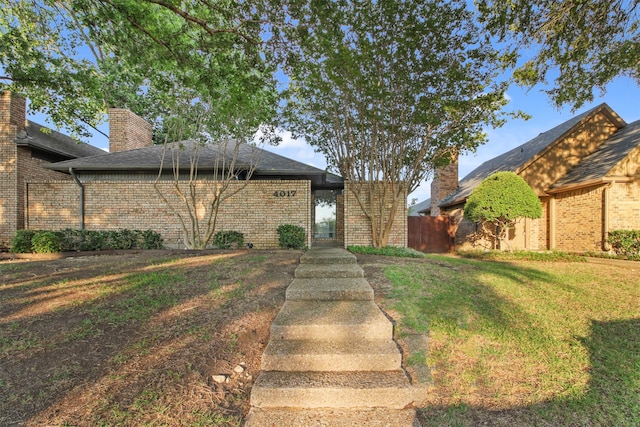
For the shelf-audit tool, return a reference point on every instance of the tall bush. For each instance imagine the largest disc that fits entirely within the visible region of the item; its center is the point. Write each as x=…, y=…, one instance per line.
x=499, y=202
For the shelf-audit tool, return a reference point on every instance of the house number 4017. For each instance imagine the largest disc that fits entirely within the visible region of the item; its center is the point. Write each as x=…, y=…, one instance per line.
x=283, y=193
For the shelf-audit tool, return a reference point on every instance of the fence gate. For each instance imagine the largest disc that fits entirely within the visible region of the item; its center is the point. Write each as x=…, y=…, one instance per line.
x=430, y=234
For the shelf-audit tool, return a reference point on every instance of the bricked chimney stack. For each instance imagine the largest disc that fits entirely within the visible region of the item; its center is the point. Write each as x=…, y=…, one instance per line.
x=13, y=110
x=128, y=131
x=445, y=182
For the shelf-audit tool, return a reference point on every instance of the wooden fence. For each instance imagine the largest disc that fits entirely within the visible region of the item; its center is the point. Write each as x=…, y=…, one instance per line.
x=430, y=234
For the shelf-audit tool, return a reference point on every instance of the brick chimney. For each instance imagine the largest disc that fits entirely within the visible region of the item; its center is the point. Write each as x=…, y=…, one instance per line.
x=128, y=131
x=13, y=110
x=445, y=182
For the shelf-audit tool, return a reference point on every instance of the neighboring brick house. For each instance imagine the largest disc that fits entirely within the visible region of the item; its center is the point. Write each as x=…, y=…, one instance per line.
x=107, y=191
x=24, y=147
x=586, y=173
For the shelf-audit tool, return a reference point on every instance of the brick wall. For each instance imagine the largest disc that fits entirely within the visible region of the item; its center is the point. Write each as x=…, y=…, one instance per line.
x=12, y=120
x=109, y=205
x=445, y=182
x=624, y=206
x=128, y=131
x=340, y=218
x=357, y=228
x=579, y=220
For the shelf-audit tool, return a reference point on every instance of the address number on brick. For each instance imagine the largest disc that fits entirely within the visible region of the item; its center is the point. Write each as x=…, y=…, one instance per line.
x=282, y=193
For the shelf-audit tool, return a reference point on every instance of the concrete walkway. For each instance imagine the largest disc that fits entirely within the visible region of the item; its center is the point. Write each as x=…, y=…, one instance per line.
x=331, y=359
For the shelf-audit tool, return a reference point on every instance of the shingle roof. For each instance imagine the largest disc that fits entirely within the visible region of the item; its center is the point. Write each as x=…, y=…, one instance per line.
x=54, y=142
x=598, y=164
x=420, y=207
x=150, y=158
x=516, y=158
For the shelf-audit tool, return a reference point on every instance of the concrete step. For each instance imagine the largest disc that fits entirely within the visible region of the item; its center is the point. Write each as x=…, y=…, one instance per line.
x=376, y=417
x=331, y=320
x=378, y=389
x=331, y=256
x=330, y=289
x=340, y=355
x=336, y=271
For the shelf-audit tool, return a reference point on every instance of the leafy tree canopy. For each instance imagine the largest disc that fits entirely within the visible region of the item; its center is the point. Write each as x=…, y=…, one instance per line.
x=387, y=90
x=581, y=45
x=502, y=197
x=74, y=59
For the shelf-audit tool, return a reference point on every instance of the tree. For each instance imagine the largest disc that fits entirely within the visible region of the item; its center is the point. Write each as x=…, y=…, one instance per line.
x=74, y=59
x=387, y=91
x=587, y=43
x=499, y=202
x=205, y=170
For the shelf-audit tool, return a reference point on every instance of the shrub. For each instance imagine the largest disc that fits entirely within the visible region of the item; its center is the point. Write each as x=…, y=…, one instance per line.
x=150, y=240
x=625, y=242
x=224, y=239
x=22, y=241
x=498, y=202
x=90, y=240
x=45, y=242
x=291, y=236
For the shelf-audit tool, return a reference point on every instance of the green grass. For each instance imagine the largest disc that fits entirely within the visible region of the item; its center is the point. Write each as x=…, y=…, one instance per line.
x=547, y=256
x=547, y=343
x=386, y=251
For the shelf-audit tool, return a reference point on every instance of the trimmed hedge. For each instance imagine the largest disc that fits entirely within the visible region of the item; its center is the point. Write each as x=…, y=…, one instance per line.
x=625, y=242
x=69, y=240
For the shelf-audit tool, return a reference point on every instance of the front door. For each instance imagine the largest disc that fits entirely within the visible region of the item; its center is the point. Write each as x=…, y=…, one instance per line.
x=325, y=214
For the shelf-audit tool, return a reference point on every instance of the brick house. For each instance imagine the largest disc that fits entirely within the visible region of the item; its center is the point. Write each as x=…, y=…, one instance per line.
x=106, y=191
x=24, y=148
x=586, y=172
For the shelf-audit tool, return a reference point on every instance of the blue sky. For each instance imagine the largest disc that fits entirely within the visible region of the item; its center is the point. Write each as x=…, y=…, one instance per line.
x=622, y=95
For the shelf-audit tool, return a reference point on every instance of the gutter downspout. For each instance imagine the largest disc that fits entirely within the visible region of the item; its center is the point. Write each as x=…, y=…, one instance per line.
x=75, y=178
x=605, y=217
x=552, y=223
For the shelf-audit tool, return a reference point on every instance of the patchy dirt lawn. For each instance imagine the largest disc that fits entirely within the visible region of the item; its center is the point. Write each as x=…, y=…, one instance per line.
x=136, y=338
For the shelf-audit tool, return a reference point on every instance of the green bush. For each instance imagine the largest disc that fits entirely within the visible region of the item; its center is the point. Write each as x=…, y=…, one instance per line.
x=91, y=240
x=45, y=242
x=625, y=242
x=225, y=239
x=21, y=243
x=150, y=239
x=291, y=236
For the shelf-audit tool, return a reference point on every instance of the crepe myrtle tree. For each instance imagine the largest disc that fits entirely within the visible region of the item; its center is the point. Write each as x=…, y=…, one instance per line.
x=499, y=202
x=209, y=155
x=387, y=91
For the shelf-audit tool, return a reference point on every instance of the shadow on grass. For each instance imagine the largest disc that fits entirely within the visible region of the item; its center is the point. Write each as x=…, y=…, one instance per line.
x=612, y=397
x=140, y=344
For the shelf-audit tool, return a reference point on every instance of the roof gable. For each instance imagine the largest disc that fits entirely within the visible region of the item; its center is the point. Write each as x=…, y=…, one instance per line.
x=523, y=156
x=606, y=159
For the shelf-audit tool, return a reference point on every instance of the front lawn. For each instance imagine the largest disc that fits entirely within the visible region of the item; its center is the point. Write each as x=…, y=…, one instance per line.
x=523, y=343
